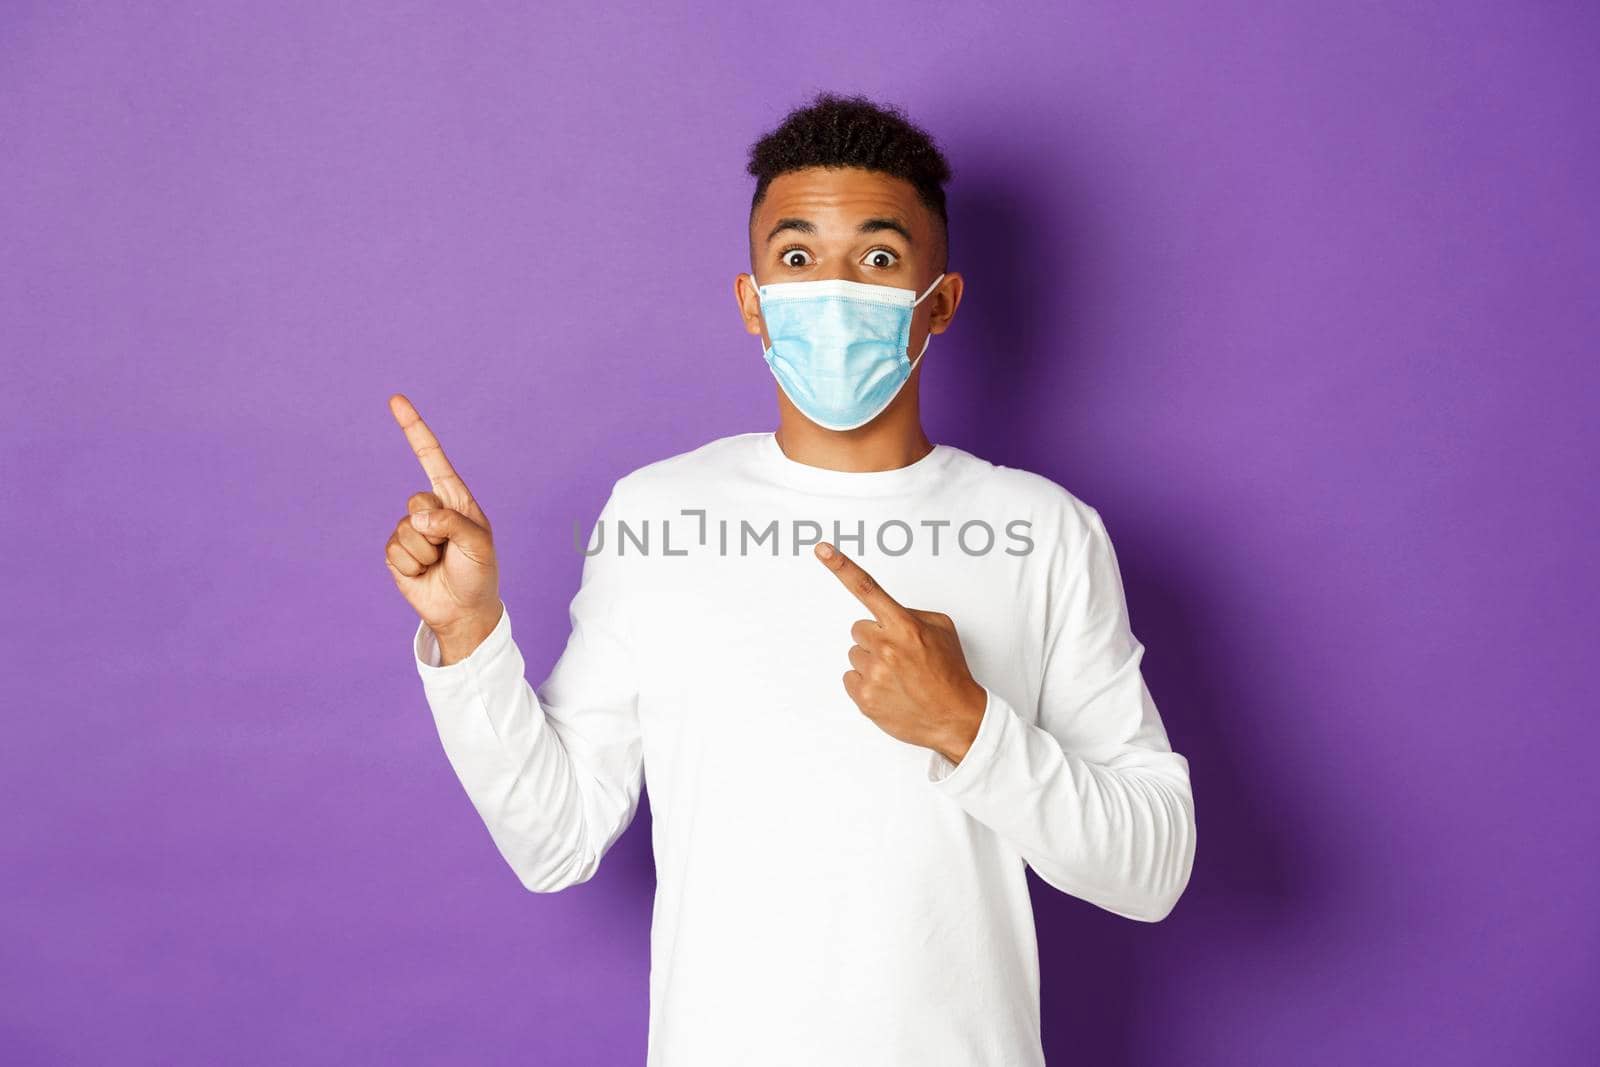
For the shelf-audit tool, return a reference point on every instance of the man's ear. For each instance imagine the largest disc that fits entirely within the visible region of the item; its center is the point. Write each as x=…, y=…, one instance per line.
x=945, y=302
x=744, y=292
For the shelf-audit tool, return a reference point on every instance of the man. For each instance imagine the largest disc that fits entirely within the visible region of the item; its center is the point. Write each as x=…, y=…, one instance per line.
x=853, y=756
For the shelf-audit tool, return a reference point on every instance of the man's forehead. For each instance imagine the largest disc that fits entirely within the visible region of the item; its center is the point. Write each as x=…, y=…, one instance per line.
x=824, y=194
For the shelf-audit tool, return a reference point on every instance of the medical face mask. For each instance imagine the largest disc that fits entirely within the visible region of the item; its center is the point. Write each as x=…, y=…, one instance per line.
x=838, y=348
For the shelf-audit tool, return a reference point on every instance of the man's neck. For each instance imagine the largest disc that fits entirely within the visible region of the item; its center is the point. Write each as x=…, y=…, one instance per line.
x=894, y=439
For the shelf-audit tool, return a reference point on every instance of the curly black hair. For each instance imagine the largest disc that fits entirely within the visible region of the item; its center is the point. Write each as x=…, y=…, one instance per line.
x=852, y=131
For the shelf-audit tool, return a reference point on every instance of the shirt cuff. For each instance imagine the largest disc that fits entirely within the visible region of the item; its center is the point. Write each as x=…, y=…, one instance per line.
x=425, y=649
x=955, y=778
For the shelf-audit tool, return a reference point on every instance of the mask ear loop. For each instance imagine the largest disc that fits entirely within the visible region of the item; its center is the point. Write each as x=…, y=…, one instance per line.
x=929, y=336
x=757, y=287
x=914, y=362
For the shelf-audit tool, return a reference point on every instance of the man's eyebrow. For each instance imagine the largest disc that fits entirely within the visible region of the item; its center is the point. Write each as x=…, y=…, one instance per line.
x=878, y=225
x=875, y=225
x=800, y=225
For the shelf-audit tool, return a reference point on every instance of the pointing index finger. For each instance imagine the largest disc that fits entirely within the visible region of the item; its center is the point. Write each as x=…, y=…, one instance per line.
x=861, y=585
x=423, y=443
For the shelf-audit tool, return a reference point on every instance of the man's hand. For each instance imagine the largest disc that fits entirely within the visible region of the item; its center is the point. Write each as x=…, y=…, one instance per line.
x=909, y=675
x=441, y=553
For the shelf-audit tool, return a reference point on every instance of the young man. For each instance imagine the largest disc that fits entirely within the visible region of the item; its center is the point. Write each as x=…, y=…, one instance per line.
x=853, y=756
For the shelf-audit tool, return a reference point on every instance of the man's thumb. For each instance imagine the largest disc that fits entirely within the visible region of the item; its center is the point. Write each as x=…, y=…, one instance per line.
x=455, y=527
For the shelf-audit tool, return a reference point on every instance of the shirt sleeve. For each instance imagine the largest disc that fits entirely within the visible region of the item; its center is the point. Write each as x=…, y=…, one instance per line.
x=1092, y=794
x=555, y=772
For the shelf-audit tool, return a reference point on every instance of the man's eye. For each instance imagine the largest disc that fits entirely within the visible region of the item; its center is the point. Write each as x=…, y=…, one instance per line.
x=796, y=257
x=882, y=258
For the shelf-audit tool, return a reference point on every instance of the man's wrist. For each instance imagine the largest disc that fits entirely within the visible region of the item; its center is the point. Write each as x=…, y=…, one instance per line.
x=955, y=749
x=459, y=641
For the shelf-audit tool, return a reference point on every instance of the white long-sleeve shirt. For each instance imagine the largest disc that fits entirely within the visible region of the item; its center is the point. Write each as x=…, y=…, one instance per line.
x=827, y=893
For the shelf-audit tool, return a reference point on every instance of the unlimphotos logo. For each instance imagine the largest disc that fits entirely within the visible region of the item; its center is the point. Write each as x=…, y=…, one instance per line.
x=744, y=537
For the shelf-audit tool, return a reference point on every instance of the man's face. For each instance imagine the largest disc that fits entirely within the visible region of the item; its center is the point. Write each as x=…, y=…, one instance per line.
x=847, y=222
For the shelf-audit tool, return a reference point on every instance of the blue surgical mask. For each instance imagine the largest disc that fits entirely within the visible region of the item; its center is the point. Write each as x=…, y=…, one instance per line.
x=838, y=348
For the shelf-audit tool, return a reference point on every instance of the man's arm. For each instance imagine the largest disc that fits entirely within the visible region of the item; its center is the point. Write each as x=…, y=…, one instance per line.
x=1092, y=796
x=555, y=773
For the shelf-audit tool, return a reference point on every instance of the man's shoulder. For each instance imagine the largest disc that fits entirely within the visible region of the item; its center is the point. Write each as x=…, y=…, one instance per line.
x=714, y=459
x=1020, y=488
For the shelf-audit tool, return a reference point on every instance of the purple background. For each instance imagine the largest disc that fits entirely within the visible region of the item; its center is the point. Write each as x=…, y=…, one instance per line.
x=1303, y=299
